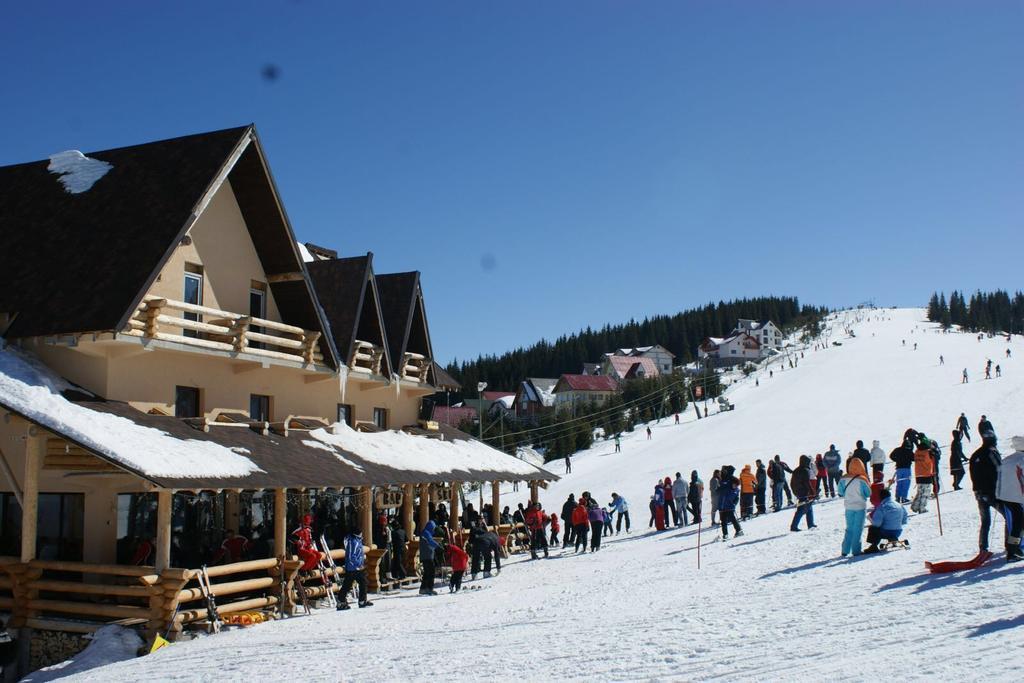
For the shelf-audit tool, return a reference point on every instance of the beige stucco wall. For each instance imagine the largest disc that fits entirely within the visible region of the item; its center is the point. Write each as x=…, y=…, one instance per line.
x=222, y=246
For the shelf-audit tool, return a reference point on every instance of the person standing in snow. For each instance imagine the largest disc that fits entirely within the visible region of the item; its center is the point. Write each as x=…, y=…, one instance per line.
x=428, y=546
x=924, y=473
x=458, y=560
x=648, y=433
x=670, y=504
x=985, y=426
x=618, y=444
x=679, y=488
x=694, y=496
x=817, y=472
x=535, y=519
x=555, y=528
x=355, y=570
x=963, y=379
x=777, y=474
x=399, y=540
x=567, y=508
x=877, y=461
x=728, y=496
x=760, y=487
x=1010, y=491
x=956, y=459
x=596, y=516
x=568, y=464
x=801, y=483
x=581, y=524
x=903, y=457
x=713, y=487
x=886, y=522
x=963, y=426
x=833, y=467
x=747, y=483
x=863, y=454
x=985, y=467
x=621, y=509
x=855, y=491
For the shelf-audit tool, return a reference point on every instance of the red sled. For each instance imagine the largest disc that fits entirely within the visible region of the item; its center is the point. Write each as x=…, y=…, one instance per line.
x=946, y=567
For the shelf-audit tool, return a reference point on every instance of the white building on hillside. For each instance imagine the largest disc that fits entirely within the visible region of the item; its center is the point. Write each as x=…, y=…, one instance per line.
x=764, y=331
x=737, y=348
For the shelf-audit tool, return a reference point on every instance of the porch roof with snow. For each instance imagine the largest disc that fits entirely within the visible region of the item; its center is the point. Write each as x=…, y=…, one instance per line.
x=169, y=453
x=82, y=256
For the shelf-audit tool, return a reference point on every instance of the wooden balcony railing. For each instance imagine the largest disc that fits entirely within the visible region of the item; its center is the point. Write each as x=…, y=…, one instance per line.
x=366, y=357
x=164, y=320
x=414, y=366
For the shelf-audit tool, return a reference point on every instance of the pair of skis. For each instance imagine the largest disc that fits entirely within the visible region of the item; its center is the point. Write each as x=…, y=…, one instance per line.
x=212, y=618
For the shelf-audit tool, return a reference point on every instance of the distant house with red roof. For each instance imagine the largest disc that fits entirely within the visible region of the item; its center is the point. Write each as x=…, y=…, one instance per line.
x=629, y=367
x=572, y=390
x=454, y=415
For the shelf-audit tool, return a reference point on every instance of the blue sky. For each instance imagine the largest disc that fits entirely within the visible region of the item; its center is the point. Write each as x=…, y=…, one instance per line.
x=552, y=165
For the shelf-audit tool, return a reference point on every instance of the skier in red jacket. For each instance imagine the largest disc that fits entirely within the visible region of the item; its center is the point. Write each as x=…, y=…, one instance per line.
x=304, y=544
x=555, y=529
x=581, y=524
x=459, y=561
x=535, y=519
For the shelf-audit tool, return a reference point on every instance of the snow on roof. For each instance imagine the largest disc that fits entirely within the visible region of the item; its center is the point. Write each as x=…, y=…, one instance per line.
x=507, y=401
x=404, y=451
x=29, y=388
x=77, y=172
x=496, y=395
x=545, y=388
x=304, y=253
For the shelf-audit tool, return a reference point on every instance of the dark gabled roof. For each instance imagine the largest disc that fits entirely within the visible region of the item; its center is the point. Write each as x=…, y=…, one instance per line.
x=347, y=291
x=405, y=317
x=82, y=262
x=442, y=380
x=75, y=262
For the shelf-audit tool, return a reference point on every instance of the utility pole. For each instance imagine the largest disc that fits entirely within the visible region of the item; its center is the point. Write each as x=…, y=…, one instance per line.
x=480, y=386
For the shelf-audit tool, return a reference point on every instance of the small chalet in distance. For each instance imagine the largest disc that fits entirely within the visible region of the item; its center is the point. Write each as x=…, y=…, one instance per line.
x=534, y=396
x=629, y=367
x=573, y=390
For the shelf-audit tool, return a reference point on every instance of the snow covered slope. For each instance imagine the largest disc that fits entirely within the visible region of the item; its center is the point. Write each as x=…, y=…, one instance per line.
x=771, y=605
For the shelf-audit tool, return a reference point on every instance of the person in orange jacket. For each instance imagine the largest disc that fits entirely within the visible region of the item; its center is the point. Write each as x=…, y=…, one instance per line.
x=748, y=482
x=459, y=561
x=924, y=475
x=555, y=529
x=535, y=521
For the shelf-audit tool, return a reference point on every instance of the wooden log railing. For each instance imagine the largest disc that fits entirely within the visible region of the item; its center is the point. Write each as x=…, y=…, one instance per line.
x=214, y=329
x=414, y=366
x=366, y=357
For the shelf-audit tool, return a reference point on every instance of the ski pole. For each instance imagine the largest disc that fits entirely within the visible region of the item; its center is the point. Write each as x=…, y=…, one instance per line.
x=938, y=507
x=699, y=524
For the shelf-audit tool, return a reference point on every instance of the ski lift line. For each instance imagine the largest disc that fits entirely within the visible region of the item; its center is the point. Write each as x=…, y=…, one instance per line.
x=558, y=426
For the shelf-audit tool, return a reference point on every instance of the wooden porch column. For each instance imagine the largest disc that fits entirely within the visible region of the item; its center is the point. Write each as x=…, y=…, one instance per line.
x=495, y=502
x=163, y=529
x=424, y=505
x=453, y=520
x=407, y=493
x=35, y=449
x=366, y=515
x=533, y=492
x=280, y=522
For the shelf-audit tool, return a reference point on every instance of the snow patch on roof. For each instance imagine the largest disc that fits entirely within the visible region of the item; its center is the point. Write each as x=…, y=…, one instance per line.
x=31, y=389
x=77, y=172
x=330, y=449
x=304, y=252
x=404, y=451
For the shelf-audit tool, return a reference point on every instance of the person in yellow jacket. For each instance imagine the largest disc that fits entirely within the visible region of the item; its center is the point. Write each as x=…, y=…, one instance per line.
x=924, y=475
x=748, y=482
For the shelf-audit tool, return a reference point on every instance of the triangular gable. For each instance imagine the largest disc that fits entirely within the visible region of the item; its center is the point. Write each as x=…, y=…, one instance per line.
x=347, y=291
x=405, y=316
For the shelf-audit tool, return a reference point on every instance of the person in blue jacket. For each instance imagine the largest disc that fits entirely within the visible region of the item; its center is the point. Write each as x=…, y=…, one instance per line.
x=355, y=570
x=886, y=522
x=856, y=492
x=620, y=507
x=427, y=548
x=728, y=496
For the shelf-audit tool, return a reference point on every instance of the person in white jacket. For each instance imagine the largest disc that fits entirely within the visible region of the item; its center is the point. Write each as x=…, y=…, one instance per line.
x=878, y=459
x=856, y=491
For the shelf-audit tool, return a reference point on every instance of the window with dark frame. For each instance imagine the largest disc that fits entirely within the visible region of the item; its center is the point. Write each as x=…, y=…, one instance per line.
x=259, y=407
x=345, y=414
x=193, y=294
x=380, y=417
x=186, y=402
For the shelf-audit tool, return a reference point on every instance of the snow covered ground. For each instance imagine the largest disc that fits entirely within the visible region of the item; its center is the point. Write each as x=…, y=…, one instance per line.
x=771, y=605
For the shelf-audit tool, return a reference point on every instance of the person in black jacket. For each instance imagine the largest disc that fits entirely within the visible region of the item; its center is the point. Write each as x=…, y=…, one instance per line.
x=864, y=455
x=567, y=508
x=985, y=426
x=485, y=545
x=984, y=466
x=399, y=539
x=957, y=459
x=903, y=456
x=963, y=426
x=760, y=488
x=801, y=483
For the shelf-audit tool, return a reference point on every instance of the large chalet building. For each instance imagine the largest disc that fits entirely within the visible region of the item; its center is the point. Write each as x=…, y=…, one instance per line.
x=175, y=369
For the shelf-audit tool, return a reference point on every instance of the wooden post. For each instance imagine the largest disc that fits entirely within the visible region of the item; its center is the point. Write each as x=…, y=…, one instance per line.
x=407, y=493
x=495, y=502
x=35, y=449
x=231, y=505
x=533, y=493
x=366, y=515
x=280, y=522
x=163, y=529
x=424, y=505
x=453, y=519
